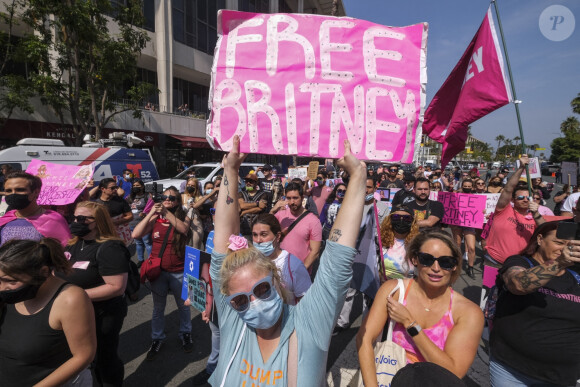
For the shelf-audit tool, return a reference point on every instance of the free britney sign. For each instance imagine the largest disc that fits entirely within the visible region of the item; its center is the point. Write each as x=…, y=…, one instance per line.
x=299, y=84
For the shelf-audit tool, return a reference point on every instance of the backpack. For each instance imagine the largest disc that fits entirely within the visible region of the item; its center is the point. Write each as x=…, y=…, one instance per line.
x=133, y=278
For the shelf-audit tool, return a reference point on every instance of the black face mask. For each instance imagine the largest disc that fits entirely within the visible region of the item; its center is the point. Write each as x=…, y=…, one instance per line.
x=79, y=229
x=466, y=190
x=402, y=227
x=17, y=201
x=137, y=190
x=190, y=189
x=495, y=183
x=23, y=293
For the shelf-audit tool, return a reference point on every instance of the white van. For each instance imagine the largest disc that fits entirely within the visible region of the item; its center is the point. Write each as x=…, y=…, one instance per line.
x=496, y=165
x=109, y=161
x=203, y=172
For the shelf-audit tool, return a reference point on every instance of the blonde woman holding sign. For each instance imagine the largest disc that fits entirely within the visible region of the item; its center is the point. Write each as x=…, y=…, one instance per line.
x=288, y=344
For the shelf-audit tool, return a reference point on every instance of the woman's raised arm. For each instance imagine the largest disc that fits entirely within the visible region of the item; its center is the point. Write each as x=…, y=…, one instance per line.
x=227, y=213
x=347, y=224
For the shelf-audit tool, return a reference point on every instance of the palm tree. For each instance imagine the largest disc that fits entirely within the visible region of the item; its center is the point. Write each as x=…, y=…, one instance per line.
x=576, y=104
x=508, y=144
x=500, y=138
x=517, y=140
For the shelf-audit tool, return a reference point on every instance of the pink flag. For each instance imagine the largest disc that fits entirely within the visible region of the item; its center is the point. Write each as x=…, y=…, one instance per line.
x=476, y=86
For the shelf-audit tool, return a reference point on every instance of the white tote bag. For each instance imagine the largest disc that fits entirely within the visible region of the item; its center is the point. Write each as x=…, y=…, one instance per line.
x=389, y=357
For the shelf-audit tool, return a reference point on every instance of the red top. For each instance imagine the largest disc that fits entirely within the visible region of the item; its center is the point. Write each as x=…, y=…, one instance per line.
x=170, y=261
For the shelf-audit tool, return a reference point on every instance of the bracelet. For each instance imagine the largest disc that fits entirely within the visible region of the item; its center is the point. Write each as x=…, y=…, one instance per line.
x=413, y=323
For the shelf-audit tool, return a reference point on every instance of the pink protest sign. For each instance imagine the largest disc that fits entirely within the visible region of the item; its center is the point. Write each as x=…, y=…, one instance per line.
x=462, y=209
x=300, y=84
x=61, y=184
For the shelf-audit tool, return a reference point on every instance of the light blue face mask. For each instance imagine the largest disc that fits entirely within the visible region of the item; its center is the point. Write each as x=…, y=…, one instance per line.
x=263, y=314
x=369, y=197
x=266, y=248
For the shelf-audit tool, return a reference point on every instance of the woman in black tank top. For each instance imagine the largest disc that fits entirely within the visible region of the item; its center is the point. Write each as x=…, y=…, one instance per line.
x=47, y=326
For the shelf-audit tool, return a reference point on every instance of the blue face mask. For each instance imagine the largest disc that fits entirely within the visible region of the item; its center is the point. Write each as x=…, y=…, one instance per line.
x=369, y=197
x=266, y=248
x=263, y=314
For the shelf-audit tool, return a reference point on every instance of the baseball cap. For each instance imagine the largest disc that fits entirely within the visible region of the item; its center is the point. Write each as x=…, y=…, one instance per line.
x=251, y=176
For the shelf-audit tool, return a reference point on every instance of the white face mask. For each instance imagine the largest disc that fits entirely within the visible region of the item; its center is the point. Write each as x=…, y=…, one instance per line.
x=208, y=191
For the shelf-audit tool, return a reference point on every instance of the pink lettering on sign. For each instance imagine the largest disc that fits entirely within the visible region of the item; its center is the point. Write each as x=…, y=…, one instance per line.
x=301, y=84
x=461, y=209
x=61, y=184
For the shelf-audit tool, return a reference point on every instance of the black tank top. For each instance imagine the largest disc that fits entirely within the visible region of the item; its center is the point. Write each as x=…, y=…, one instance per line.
x=30, y=349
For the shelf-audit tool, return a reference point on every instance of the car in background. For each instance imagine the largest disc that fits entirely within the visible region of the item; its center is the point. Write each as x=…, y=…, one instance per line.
x=203, y=172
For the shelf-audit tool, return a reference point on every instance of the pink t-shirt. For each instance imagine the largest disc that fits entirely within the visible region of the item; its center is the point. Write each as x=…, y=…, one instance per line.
x=297, y=242
x=509, y=233
x=319, y=195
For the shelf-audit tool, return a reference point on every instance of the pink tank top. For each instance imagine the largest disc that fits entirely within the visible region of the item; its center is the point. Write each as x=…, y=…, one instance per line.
x=437, y=333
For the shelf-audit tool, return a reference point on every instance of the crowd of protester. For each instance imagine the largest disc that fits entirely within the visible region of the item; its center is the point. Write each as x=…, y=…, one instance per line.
x=288, y=258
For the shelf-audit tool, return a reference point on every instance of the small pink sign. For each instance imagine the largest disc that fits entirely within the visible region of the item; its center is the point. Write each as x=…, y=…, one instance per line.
x=61, y=184
x=462, y=209
x=300, y=84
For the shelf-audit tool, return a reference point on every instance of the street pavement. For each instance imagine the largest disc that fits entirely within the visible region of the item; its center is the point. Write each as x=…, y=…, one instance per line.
x=173, y=367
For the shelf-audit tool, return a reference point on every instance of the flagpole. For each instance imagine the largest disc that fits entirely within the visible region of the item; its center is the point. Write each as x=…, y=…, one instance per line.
x=516, y=102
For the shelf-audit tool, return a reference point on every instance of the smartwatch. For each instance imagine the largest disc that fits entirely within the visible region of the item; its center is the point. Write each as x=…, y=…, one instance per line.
x=414, y=330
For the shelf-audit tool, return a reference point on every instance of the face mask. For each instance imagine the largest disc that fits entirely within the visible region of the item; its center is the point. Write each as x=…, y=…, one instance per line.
x=340, y=194
x=495, y=183
x=401, y=227
x=17, y=201
x=137, y=190
x=249, y=188
x=208, y=191
x=190, y=189
x=263, y=314
x=369, y=197
x=79, y=229
x=266, y=248
x=127, y=177
x=466, y=190
x=23, y=293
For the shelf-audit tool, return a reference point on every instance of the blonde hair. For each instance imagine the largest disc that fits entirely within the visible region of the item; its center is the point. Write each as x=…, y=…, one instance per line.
x=106, y=230
x=235, y=260
x=196, y=194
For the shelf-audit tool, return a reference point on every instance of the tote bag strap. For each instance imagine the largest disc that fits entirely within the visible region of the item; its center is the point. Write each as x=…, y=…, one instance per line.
x=233, y=356
x=401, y=287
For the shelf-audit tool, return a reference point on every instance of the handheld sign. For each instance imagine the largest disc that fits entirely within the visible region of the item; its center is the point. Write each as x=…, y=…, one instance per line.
x=61, y=184
x=570, y=169
x=300, y=172
x=194, y=285
x=490, y=203
x=312, y=170
x=461, y=209
x=300, y=84
x=533, y=167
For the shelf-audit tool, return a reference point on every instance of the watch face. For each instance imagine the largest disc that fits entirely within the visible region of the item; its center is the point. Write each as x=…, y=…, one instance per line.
x=413, y=331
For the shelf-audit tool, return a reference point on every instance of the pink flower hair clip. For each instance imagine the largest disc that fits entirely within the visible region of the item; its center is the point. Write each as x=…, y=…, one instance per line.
x=237, y=242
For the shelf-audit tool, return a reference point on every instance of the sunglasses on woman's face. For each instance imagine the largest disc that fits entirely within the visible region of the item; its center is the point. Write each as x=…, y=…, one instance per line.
x=340, y=191
x=261, y=290
x=171, y=198
x=82, y=218
x=398, y=218
x=445, y=262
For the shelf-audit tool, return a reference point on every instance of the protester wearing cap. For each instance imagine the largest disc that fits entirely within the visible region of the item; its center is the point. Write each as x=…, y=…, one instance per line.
x=267, y=182
x=397, y=230
x=407, y=194
x=252, y=202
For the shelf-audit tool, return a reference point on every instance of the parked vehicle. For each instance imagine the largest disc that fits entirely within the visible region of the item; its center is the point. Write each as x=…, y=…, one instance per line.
x=203, y=172
x=111, y=156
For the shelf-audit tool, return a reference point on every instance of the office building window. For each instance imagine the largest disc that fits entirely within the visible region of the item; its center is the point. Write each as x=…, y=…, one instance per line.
x=257, y=6
x=192, y=94
x=195, y=23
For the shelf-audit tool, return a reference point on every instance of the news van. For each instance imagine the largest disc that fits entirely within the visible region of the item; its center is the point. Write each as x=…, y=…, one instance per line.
x=111, y=156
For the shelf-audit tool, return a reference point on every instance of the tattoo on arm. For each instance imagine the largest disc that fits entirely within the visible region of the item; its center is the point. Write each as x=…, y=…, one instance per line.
x=531, y=279
x=229, y=199
x=335, y=235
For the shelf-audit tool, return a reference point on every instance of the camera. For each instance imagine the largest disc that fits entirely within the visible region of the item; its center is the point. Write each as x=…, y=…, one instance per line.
x=568, y=230
x=155, y=190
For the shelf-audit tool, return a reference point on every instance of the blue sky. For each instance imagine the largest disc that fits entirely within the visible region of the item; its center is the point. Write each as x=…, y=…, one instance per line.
x=546, y=73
